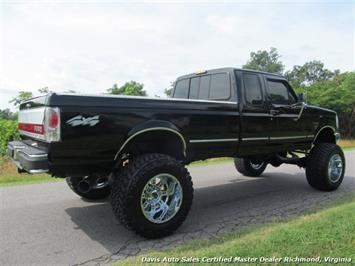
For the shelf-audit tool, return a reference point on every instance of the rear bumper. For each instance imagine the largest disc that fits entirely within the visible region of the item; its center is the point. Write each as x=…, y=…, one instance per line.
x=28, y=158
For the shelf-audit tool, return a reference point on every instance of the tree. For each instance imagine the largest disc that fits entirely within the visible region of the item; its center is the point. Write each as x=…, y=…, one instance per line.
x=22, y=96
x=7, y=114
x=348, y=101
x=309, y=73
x=44, y=90
x=168, y=91
x=338, y=95
x=263, y=60
x=129, y=88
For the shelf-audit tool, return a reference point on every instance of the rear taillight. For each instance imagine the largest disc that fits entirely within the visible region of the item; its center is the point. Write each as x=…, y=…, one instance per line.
x=53, y=119
x=52, y=124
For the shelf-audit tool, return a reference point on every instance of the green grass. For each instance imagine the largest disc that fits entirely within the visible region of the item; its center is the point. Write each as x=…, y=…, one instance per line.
x=211, y=161
x=347, y=144
x=22, y=179
x=9, y=175
x=326, y=233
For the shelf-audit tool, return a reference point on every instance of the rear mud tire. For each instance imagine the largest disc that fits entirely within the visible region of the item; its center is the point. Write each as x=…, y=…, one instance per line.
x=128, y=186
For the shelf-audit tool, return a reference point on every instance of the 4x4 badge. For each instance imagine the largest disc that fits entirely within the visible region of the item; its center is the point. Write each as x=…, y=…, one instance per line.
x=79, y=120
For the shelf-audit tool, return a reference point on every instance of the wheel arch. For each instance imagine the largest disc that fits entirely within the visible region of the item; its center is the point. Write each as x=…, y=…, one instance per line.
x=325, y=134
x=153, y=131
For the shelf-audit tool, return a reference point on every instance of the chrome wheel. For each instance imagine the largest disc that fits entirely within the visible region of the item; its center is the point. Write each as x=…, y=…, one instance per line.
x=161, y=198
x=256, y=166
x=335, y=168
x=101, y=182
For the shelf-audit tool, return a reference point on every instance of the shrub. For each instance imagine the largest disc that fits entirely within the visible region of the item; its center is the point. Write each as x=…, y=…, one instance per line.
x=8, y=132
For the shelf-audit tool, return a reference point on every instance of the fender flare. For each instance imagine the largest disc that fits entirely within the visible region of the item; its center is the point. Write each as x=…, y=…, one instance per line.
x=321, y=129
x=152, y=125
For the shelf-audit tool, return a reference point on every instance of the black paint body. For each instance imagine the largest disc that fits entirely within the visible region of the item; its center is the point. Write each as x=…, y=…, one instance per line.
x=209, y=128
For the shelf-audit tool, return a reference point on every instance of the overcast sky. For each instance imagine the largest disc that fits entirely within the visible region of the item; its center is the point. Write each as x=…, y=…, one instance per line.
x=87, y=46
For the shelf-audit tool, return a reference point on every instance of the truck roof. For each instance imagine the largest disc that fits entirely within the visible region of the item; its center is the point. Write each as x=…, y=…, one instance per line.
x=226, y=69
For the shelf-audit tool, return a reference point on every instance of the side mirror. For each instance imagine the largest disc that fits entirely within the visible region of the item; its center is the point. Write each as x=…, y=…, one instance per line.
x=300, y=98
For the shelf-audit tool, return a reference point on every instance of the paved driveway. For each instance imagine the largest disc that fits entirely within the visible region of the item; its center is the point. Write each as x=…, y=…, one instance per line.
x=49, y=224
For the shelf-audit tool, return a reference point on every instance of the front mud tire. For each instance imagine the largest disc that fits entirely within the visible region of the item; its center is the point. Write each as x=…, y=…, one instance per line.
x=325, y=166
x=129, y=185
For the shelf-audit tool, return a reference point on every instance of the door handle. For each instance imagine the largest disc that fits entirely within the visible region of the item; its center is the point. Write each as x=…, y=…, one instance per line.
x=274, y=112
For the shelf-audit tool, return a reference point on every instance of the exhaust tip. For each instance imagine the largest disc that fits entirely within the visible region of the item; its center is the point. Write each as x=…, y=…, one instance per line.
x=84, y=186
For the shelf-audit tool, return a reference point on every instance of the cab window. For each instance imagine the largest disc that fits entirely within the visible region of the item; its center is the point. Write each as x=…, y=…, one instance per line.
x=204, y=87
x=220, y=87
x=207, y=87
x=279, y=93
x=182, y=89
x=194, y=88
x=252, y=89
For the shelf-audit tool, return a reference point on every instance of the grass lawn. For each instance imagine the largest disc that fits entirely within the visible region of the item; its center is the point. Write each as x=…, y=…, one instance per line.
x=21, y=179
x=211, y=161
x=347, y=143
x=10, y=177
x=327, y=233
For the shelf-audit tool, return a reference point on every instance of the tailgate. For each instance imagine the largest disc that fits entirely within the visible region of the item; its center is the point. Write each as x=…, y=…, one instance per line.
x=38, y=121
x=38, y=126
x=31, y=123
x=31, y=118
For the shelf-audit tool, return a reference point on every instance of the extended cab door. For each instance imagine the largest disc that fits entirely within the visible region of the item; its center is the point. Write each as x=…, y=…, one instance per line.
x=288, y=124
x=210, y=121
x=255, y=116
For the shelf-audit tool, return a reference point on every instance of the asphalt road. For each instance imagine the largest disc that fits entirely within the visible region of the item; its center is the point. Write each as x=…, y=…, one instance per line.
x=48, y=224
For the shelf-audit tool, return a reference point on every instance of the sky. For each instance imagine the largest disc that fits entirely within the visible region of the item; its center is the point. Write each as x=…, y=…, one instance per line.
x=88, y=46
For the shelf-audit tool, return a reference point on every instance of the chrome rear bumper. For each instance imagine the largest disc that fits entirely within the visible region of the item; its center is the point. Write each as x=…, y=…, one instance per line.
x=27, y=158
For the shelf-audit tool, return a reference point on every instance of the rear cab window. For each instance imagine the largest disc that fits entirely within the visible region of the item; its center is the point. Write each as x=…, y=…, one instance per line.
x=216, y=87
x=220, y=88
x=182, y=89
x=194, y=88
x=252, y=89
x=204, y=87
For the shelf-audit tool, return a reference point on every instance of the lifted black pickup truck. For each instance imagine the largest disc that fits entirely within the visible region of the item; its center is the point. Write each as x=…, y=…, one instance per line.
x=136, y=148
